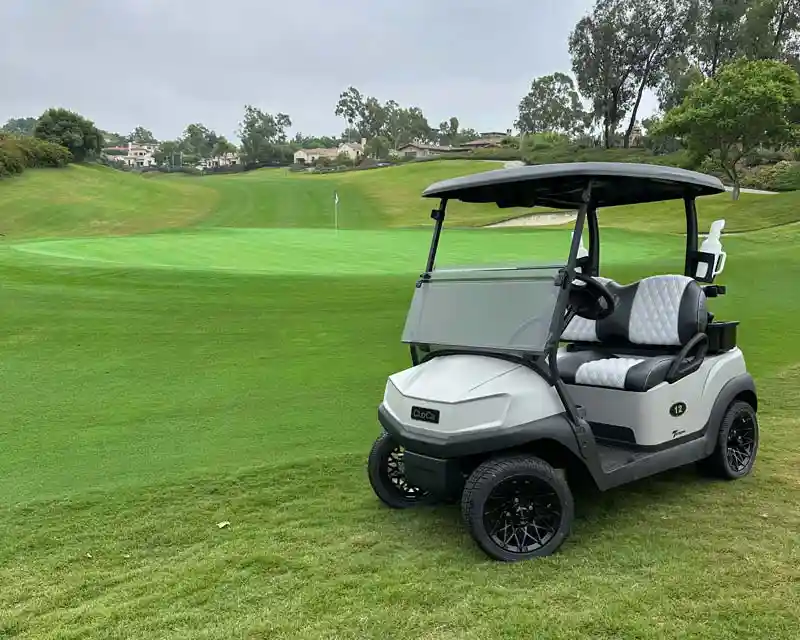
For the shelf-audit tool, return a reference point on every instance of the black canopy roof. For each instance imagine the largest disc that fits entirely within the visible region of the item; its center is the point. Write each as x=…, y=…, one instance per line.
x=562, y=185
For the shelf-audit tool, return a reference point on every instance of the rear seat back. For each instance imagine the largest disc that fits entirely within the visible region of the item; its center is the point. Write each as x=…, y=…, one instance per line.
x=663, y=310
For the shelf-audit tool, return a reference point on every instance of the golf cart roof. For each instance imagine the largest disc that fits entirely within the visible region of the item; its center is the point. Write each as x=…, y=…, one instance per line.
x=562, y=185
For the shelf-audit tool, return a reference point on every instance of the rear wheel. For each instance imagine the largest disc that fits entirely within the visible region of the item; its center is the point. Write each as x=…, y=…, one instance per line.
x=737, y=443
x=517, y=508
x=387, y=475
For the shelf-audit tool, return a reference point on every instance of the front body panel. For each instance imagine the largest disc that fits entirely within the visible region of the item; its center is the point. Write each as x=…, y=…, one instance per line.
x=456, y=397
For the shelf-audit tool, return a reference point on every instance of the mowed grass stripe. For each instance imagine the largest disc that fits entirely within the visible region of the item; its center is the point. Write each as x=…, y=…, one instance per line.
x=326, y=252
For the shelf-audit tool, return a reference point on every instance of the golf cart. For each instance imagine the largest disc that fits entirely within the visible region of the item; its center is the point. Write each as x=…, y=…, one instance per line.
x=526, y=378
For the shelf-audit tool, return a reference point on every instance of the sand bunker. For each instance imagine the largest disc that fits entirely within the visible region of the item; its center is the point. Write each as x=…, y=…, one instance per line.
x=537, y=220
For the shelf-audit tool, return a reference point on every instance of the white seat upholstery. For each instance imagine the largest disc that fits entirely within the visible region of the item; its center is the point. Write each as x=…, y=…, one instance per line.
x=660, y=311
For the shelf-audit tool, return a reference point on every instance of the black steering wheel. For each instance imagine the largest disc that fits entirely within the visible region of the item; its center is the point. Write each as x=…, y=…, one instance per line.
x=590, y=299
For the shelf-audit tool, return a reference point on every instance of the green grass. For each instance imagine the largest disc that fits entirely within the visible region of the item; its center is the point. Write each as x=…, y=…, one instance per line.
x=159, y=383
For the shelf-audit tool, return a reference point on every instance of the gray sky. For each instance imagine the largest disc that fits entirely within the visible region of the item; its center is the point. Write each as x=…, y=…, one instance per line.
x=165, y=63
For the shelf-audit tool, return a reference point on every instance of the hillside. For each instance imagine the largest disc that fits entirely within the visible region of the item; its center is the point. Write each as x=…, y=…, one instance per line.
x=90, y=201
x=81, y=200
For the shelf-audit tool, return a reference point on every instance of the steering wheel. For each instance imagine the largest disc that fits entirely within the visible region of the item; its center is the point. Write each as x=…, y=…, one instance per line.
x=591, y=299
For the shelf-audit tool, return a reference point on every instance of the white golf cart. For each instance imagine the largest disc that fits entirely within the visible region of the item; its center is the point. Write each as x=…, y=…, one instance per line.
x=526, y=378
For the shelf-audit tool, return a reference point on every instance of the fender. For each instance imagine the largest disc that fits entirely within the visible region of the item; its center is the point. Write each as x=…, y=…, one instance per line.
x=742, y=385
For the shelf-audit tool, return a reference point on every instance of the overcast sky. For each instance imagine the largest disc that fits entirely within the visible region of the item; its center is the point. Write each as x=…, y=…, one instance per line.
x=165, y=63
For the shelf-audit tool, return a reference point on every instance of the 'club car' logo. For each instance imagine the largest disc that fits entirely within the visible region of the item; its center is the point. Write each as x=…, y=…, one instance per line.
x=425, y=415
x=677, y=409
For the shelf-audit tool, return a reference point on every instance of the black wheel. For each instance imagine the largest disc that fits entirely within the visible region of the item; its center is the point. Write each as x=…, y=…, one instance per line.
x=386, y=475
x=517, y=508
x=737, y=443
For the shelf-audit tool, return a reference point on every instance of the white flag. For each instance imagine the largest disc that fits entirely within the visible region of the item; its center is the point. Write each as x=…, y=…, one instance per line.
x=336, y=197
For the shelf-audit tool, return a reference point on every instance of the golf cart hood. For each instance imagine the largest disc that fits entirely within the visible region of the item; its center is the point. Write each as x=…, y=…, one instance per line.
x=467, y=393
x=452, y=379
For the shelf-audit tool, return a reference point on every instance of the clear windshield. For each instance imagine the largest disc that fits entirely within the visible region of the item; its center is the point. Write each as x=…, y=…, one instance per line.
x=507, y=309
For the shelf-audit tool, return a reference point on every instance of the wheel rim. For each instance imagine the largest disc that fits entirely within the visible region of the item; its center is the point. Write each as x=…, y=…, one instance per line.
x=741, y=443
x=394, y=470
x=522, y=514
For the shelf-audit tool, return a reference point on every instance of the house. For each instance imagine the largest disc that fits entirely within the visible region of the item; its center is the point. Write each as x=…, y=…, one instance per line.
x=488, y=140
x=351, y=150
x=422, y=150
x=133, y=155
x=310, y=156
x=637, y=135
x=225, y=160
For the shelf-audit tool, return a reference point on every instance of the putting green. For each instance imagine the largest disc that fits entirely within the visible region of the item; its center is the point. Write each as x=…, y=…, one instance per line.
x=326, y=252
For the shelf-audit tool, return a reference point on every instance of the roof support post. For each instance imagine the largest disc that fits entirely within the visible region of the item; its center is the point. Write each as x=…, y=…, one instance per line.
x=691, y=235
x=594, y=242
x=438, y=216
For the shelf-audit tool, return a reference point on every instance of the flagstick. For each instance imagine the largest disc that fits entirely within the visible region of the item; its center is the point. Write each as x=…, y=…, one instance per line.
x=336, y=211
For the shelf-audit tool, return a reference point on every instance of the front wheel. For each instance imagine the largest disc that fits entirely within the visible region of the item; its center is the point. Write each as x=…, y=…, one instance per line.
x=737, y=443
x=387, y=475
x=517, y=508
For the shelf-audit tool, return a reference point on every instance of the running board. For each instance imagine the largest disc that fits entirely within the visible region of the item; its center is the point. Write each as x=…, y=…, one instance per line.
x=621, y=466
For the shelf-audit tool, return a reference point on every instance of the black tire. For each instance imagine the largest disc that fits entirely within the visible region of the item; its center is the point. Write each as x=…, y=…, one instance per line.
x=517, y=508
x=737, y=443
x=385, y=468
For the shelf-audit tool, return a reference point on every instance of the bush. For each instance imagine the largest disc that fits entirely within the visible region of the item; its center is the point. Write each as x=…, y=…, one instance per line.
x=18, y=153
x=574, y=153
x=783, y=176
x=760, y=157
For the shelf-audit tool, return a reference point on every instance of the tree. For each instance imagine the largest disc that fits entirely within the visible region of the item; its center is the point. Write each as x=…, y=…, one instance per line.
x=552, y=104
x=652, y=33
x=465, y=135
x=448, y=131
x=140, y=135
x=602, y=66
x=373, y=117
x=222, y=146
x=198, y=140
x=70, y=130
x=378, y=148
x=168, y=152
x=406, y=125
x=263, y=135
x=112, y=139
x=367, y=117
x=301, y=141
x=677, y=76
x=719, y=34
x=19, y=126
x=350, y=106
x=770, y=30
x=748, y=104
x=348, y=135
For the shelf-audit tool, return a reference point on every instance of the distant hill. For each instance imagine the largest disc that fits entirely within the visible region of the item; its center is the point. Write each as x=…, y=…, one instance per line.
x=93, y=200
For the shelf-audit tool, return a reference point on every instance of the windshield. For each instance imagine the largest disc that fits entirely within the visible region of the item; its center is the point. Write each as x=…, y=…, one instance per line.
x=507, y=309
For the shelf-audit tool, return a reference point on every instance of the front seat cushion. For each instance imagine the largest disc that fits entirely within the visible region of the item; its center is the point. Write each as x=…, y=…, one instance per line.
x=629, y=373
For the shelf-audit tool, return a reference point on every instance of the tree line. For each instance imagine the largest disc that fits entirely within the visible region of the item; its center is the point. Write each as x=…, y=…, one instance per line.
x=624, y=47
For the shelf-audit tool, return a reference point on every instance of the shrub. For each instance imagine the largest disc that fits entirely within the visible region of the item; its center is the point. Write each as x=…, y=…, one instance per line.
x=783, y=176
x=759, y=157
x=11, y=160
x=574, y=153
x=18, y=153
